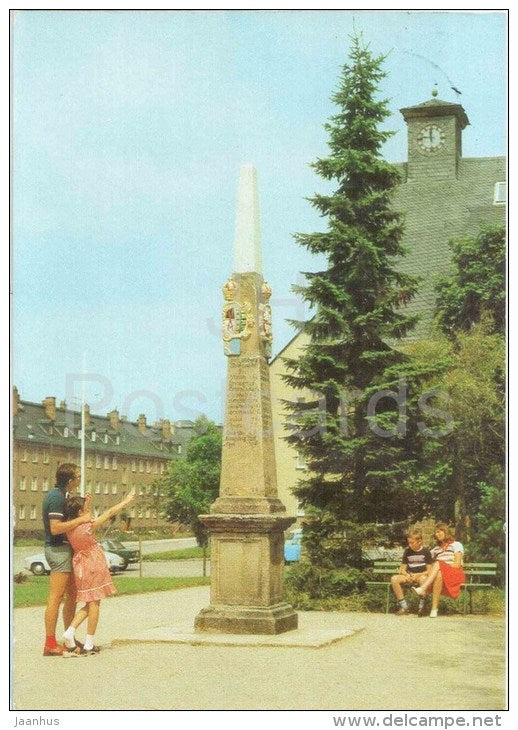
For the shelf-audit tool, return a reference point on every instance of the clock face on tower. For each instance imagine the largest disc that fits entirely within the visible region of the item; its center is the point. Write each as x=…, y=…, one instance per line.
x=430, y=138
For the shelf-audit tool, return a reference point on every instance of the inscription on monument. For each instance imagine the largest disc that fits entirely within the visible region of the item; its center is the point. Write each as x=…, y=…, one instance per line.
x=249, y=417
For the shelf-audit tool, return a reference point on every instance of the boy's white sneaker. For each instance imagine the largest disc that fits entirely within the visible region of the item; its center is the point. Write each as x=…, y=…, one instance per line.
x=433, y=613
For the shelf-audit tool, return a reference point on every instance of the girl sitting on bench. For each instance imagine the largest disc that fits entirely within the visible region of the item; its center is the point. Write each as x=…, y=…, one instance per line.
x=446, y=575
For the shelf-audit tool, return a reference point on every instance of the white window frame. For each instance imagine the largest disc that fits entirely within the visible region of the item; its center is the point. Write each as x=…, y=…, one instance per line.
x=32, y=515
x=45, y=484
x=500, y=193
x=34, y=484
x=21, y=512
x=23, y=484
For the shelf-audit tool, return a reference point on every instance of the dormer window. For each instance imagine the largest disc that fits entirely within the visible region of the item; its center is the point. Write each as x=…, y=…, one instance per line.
x=65, y=432
x=500, y=193
x=105, y=438
x=94, y=435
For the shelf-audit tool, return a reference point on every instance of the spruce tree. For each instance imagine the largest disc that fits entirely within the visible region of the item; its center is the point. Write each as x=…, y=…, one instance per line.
x=357, y=459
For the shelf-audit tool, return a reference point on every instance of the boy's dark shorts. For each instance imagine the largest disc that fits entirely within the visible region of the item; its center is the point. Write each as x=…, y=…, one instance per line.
x=59, y=558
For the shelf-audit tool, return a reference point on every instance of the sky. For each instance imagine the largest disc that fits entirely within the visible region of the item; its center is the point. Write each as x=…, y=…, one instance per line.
x=128, y=131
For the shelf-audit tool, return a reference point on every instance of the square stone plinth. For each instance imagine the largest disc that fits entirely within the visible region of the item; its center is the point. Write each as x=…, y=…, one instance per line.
x=246, y=620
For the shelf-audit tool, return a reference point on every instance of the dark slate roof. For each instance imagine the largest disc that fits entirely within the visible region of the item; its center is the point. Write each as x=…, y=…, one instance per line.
x=31, y=425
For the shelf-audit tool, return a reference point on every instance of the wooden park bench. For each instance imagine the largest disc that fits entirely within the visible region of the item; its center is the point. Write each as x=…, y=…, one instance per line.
x=476, y=577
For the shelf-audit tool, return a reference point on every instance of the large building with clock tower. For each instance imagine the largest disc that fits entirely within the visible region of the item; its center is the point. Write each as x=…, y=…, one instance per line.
x=443, y=195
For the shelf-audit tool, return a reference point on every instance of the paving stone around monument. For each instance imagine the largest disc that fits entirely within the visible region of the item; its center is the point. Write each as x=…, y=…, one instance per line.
x=306, y=637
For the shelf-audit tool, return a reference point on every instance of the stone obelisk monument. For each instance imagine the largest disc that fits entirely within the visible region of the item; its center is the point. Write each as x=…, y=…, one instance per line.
x=248, y=520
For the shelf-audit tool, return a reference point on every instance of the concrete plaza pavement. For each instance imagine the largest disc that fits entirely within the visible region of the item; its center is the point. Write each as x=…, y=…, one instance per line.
x=393, y=663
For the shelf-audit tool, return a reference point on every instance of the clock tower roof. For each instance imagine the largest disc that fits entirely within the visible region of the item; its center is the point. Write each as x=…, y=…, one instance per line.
x=436, y=108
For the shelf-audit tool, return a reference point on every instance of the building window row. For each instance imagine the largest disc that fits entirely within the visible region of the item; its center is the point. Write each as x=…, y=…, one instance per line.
x=34, y=456
x=22, y=512
x=108, y=462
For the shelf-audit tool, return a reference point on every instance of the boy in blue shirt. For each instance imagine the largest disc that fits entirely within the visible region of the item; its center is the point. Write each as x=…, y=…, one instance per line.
x=59, y=553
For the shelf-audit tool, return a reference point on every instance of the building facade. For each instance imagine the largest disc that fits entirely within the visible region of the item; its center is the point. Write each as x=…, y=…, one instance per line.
x=442, y=196
x=121, y=457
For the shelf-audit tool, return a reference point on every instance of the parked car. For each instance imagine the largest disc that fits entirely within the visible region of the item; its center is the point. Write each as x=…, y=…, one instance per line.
x=38, y=565
x=293, y=546
x=129, y=555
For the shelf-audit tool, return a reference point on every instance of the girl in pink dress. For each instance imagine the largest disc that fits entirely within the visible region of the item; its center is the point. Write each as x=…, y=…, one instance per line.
x=91, y=571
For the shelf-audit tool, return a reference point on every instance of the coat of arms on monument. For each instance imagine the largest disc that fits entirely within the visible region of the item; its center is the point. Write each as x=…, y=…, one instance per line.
x=237, y=320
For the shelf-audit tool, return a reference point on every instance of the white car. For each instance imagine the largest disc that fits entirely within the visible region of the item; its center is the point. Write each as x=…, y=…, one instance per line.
x=38, y=565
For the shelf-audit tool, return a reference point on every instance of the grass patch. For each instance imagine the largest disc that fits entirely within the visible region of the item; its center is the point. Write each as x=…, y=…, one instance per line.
x=27, y=541
x=184, y=554
x=34, y=592
x=133, y=536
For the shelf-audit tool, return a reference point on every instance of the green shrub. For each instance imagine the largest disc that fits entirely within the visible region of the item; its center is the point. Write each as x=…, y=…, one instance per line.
x=318, y=582
x=312, y=589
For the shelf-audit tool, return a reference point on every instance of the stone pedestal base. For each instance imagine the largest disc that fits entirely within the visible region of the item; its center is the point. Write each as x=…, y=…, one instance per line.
x=247, y=620
x=247, y=575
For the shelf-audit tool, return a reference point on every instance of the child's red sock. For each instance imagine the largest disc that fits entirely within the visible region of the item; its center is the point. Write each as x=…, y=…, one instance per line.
x=50, y=642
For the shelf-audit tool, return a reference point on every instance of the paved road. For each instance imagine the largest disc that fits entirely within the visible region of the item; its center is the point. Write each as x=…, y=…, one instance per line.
x=18, y=554
x=167, y=569
x=408, y=663
x=158, y=546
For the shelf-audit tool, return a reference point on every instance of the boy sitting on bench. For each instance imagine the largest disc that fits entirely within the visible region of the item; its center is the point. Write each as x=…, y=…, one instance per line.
x=413, y=571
